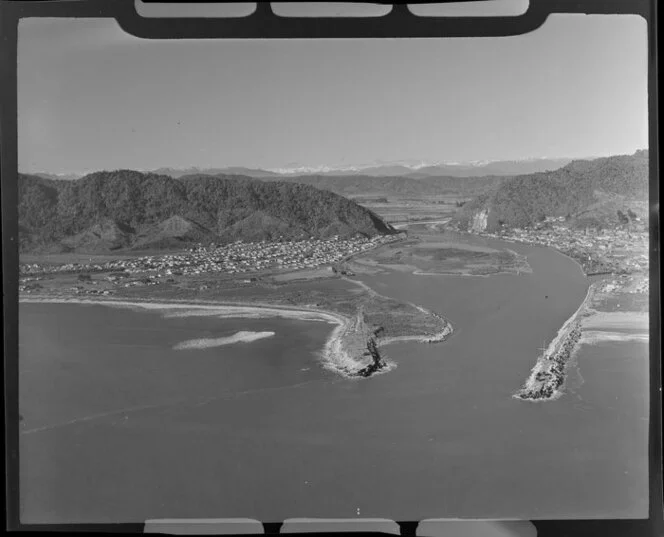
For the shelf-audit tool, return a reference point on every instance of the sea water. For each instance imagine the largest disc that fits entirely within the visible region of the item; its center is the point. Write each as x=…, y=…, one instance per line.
x=121, y=426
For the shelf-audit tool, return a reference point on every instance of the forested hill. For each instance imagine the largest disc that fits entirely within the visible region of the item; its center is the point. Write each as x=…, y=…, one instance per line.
x=586, y=192
x=128, y=209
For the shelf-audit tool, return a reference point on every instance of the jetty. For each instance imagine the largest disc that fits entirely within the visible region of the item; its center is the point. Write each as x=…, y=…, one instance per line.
x=548, y=376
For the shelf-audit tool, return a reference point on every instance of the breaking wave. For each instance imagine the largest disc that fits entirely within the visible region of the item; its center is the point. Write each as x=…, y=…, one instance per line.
x=593, y=337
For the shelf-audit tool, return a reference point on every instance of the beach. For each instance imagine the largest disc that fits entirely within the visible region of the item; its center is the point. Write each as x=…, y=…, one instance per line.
x=350, y=350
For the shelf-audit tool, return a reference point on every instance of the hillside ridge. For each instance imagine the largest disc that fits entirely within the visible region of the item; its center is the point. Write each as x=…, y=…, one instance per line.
x=127, y=209
x=597, y=193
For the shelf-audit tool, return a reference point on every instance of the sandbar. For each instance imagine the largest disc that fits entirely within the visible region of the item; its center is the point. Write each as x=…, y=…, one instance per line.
x=207, y=343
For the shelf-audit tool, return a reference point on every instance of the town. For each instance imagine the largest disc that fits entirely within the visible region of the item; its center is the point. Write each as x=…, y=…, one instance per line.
x=619, y=252
x=235, y=258
x=615, y=251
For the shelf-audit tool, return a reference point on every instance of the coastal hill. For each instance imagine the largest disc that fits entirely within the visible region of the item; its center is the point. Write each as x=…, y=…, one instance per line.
x=126, y=209
x=601, y=192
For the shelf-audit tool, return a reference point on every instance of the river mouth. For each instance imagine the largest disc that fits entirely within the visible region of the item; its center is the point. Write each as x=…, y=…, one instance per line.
x=442, y=427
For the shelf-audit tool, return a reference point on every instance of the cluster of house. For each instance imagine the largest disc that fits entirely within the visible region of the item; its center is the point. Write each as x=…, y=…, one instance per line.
x=642, y=287
x=28, y=287
x=39, y=268
x=249, y=257
x=238, y=257
x=628, y=284
x=618, y=251
x=79, y=290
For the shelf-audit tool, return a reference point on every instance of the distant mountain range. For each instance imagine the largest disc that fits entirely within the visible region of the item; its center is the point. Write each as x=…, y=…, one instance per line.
x=126, y=209
x=410, y=169
x=500, y=167
x=392, y=186
x=176, y=173
x=584, y=192
x=62, y=176
x=396, y=169
x=422, y=169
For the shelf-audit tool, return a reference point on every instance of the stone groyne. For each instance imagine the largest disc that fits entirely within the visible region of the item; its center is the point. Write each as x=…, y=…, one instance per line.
x=548, y=376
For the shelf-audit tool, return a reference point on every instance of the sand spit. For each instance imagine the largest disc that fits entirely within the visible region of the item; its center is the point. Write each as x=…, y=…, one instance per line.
x=207, y=343
x=445, y=333
x=337, y=355
x=213, y=309
x=351, y=350
x=548, y=376
x=459, y=273
x=441, y=336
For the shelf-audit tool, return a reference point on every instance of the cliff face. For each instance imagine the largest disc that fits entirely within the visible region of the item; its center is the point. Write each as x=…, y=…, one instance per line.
x=479, y=221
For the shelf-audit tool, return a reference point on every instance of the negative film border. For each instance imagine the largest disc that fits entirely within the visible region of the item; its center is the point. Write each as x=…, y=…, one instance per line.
x=264, y=24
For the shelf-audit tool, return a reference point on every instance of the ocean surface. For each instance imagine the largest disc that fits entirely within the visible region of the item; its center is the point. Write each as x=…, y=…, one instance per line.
x=122, y=425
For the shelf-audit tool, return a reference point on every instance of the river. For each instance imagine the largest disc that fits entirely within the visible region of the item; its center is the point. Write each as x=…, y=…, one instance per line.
x=120, y=427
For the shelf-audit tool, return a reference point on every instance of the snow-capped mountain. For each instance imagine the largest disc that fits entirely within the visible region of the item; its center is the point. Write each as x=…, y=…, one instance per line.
x=61, y=176
x=399, y=167
x=420, y=168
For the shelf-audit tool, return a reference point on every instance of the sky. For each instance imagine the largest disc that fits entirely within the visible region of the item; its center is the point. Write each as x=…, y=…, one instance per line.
x=91, y=97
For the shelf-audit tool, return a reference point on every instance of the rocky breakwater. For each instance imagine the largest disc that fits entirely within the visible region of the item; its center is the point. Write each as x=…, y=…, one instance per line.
x=353, y=350
x=377, y=361
x=358, y=348
x=548, y=376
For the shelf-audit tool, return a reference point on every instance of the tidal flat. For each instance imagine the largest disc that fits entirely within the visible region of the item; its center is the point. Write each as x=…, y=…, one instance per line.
x=431, y=252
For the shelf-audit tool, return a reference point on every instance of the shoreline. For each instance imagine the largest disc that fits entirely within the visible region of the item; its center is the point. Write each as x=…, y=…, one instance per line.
x=335, y=356
x=547, y=377
x=530, y=243
x=441, y=336
x=467, y=275
x=350, y=350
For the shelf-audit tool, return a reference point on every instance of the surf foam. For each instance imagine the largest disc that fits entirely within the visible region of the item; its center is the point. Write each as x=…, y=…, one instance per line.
x=594, y=337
